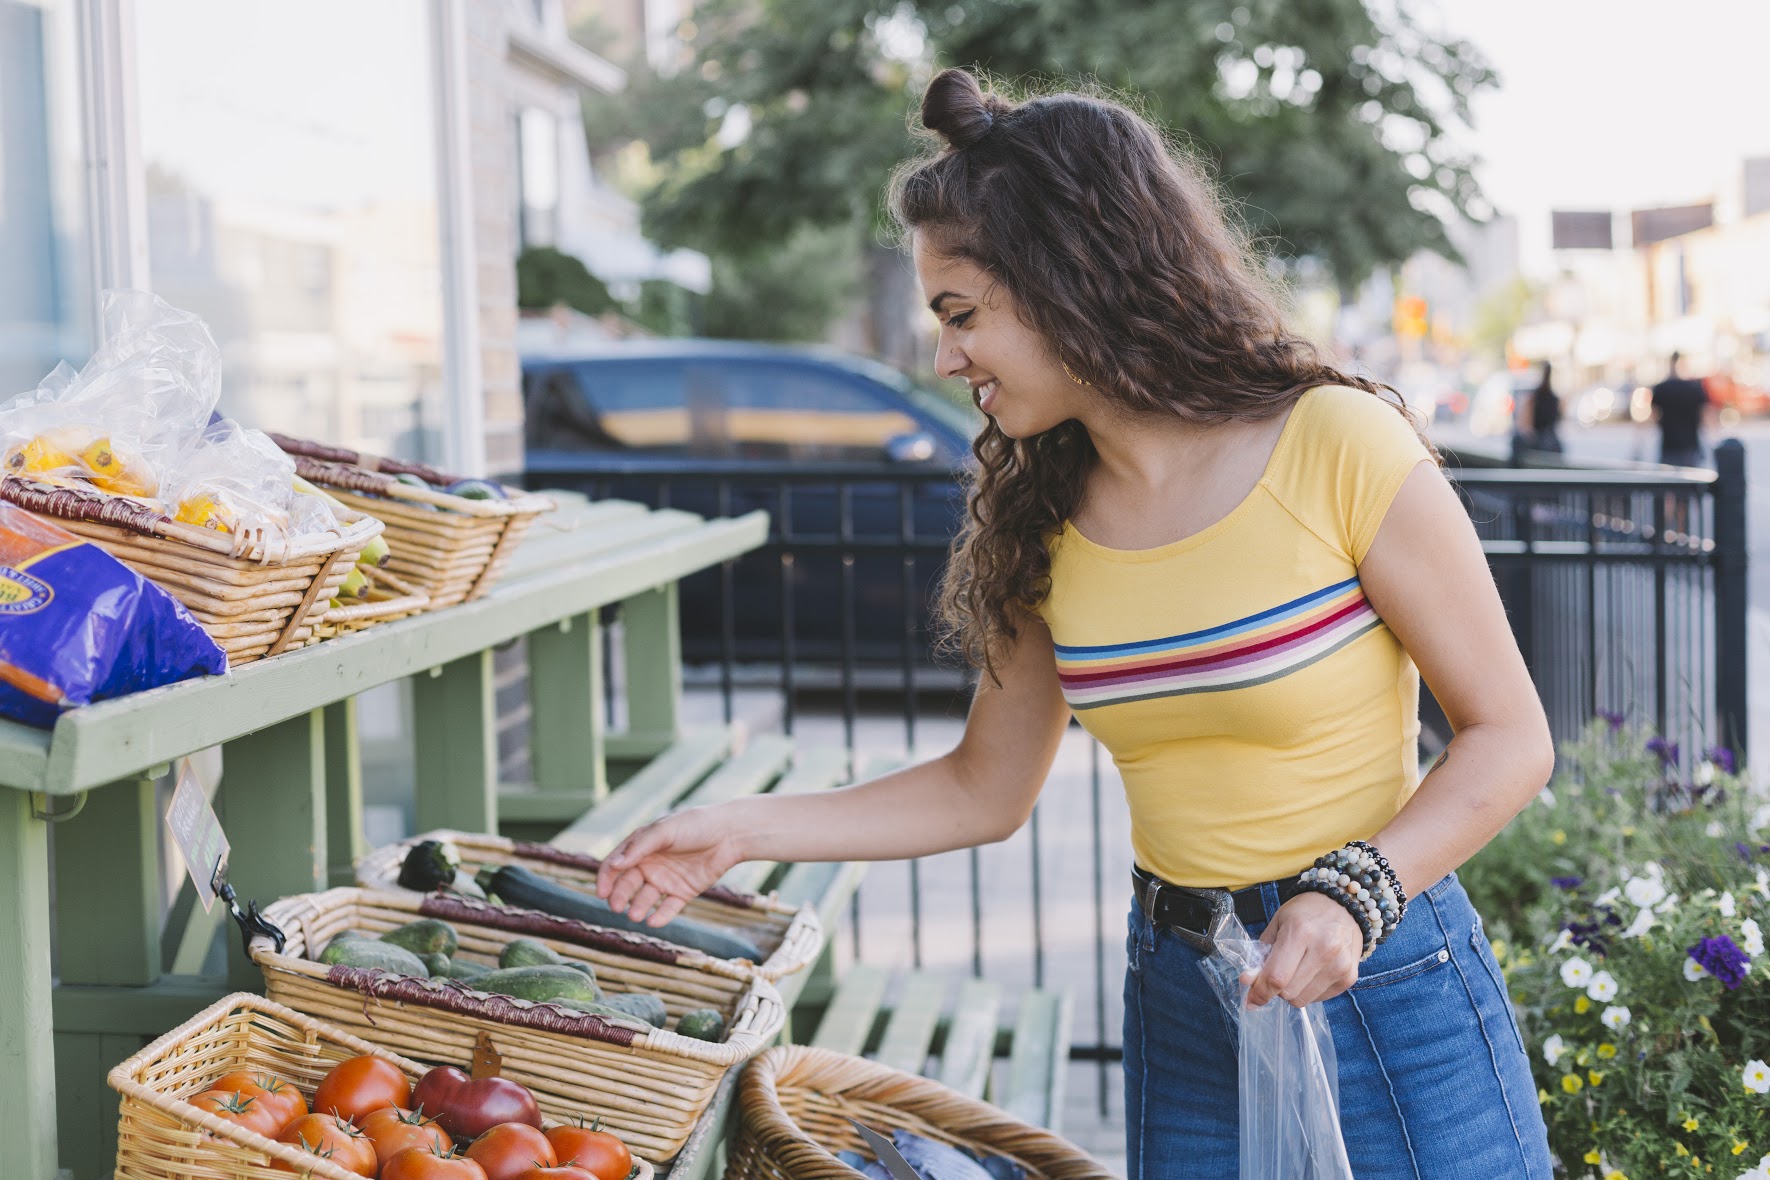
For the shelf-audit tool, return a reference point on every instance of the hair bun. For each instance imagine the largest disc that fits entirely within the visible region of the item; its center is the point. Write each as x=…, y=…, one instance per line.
x=954, y=107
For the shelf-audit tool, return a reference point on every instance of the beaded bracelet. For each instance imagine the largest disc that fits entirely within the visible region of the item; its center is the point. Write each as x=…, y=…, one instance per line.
x=1360, y=879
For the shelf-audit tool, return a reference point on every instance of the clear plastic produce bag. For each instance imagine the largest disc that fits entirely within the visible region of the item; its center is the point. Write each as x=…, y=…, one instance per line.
x=1290, y=1096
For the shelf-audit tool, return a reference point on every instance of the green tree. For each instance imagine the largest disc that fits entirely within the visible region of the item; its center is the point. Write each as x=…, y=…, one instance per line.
x=1330, y=126
x=546, y=277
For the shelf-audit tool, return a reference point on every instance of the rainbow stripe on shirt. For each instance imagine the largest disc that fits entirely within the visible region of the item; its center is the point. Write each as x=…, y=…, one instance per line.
x=1249, y=651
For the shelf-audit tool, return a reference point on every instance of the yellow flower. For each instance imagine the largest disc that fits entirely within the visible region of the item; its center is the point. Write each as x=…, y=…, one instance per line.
x=1690, y=1123
x=1680, y=1148
x=1571, y=1083
x=1592, y=1156
x=1499, y=949
x=1582, y=1005
x=1613, y=1174
x=1557, y=837
x=1738, y=1146
x=1542, y=1097
x=1629, y=830
x=1607, y=1050
x=1595, y=1076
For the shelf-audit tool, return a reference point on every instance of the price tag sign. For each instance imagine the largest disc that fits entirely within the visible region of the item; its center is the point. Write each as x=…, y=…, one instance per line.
x=198, y=834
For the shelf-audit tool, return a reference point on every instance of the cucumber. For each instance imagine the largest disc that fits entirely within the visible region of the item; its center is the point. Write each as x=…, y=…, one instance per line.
x=426, y=936
x=528, y=952
x=371, y=952
x=517, y=886
x=703, y=1024
x=466, y=969
x=642, y=1005
x=437, y=965
x=540, y=984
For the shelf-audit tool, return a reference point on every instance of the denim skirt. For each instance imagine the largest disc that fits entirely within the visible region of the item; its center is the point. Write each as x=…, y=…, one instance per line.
x=1434, y=1082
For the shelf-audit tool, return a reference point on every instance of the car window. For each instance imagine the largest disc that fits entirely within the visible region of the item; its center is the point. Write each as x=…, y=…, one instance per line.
x=656, y=407
x=786, y=412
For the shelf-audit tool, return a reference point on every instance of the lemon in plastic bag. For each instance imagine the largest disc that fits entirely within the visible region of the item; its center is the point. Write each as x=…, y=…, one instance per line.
x=44, y=455
x=208, y=510
x=117, y=471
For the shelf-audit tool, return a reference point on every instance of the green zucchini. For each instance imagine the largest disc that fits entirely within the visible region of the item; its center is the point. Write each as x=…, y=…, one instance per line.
x=371, y=952
x=426, y=936
x=437, y=965
x=703, y=1024
x=528, y=952
x=642, y=1005
x=540, y=984
x=517, y=886
x=466, y=969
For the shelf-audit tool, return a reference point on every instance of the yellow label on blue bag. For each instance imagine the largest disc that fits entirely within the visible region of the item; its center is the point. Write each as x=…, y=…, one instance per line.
x=20, y=593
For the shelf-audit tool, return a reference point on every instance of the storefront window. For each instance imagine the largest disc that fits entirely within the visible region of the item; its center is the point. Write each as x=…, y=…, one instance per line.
x=291, y=181
x=45, y=297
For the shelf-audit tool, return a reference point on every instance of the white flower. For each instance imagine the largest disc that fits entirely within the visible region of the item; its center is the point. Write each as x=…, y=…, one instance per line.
x=1615, y=1016
x=1705, y=774
x=1754, y=937
x=1641, y=925
x=1761, y=817
x=1553, y=1048
x=1609, y=896
x=1726, y=905
x=1547, y=797
x=1670, y=903
x=1644, y=891
x=1562, y=941
x=1576, y=972
x=1603, y=987
x=1715, y=830
x=1764, y=883
x=1757, y=1076
x=1693, y=970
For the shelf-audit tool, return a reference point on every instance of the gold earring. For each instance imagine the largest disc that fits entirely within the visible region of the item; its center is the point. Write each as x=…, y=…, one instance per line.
x=1070, y=373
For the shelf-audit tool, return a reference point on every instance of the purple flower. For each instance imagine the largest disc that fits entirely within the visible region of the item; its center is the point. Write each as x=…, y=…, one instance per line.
x=1667, y=751
x=1568, y=883
x=1745, y=851
x=1723, y=759
x=1720, y=958
x=1614, y=719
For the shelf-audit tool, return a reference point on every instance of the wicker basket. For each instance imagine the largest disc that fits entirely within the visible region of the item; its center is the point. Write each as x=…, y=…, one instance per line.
x=390, y=597
x=648, y=1085
x=451, y=547
x=255, y=595
x=161, y=1136
x=794, y=1105
x=791, y=938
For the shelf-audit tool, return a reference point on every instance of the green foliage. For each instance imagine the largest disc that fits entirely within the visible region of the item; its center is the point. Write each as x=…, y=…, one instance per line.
x=1326, y=123
x=789, y=293
x=546, y=277
x=1601, y=889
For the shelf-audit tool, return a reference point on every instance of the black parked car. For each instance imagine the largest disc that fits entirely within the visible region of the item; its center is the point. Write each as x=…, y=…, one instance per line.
x=854, y=462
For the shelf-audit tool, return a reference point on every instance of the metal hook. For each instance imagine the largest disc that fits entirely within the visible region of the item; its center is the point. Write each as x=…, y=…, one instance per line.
x=251, y=922
x=56, y=817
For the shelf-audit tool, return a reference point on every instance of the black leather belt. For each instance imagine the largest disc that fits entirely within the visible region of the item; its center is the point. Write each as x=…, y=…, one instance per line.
x=1195, y=912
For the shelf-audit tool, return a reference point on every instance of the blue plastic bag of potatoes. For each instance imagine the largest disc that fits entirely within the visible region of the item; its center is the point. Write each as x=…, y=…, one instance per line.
x=77, y=625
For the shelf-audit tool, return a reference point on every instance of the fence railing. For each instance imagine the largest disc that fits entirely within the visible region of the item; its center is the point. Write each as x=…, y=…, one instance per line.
x=1626, y=590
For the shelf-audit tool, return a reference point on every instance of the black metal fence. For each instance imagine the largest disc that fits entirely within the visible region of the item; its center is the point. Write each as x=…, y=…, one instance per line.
x=1626, y=590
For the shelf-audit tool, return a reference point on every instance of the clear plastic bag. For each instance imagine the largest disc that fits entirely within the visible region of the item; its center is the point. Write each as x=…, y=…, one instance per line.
x=1290, y=1095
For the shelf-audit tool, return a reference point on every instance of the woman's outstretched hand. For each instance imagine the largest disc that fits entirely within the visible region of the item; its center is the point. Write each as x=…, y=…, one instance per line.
x=1315, y=947
x=662, y=866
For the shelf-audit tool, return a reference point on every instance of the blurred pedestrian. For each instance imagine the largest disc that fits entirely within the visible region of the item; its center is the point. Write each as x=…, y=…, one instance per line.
x=1678, y=407
x=1545, y=416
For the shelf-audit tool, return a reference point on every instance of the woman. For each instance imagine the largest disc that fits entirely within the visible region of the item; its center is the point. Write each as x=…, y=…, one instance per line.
x=1226, y=558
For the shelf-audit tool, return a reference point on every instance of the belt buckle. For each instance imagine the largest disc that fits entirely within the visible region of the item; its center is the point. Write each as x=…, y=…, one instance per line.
x=1222, y=906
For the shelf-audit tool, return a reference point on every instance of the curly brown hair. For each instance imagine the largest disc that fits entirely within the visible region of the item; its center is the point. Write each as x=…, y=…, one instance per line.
x=1116, y=248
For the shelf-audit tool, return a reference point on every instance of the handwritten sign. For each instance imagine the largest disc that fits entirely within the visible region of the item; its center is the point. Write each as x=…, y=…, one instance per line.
x=198, y=835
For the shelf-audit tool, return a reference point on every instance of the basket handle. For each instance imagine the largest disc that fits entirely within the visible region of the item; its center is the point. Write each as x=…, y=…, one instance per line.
x=313, y=450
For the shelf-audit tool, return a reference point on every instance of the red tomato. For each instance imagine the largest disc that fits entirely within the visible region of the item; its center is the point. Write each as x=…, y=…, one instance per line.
x=278, y=1090
x=510, y=1149
x=559, y=1173
x=254, y=1112
x=597, y=1152
x=360, y=1086
x=435, y=1088
x=417, y=1163
x=392, y=1130
x=477, y=1106
x=331, y=1138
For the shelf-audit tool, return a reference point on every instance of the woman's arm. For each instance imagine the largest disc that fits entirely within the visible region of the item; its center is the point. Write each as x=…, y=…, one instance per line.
x=1428, y=579
x=980, y=792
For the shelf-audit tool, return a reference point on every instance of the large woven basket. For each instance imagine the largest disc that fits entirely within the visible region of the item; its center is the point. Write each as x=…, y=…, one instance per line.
x=256, y=595
x=452, y=548
x=648, y=1085
x=161, y=1136
x=791, y=939
x=794, y=1105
